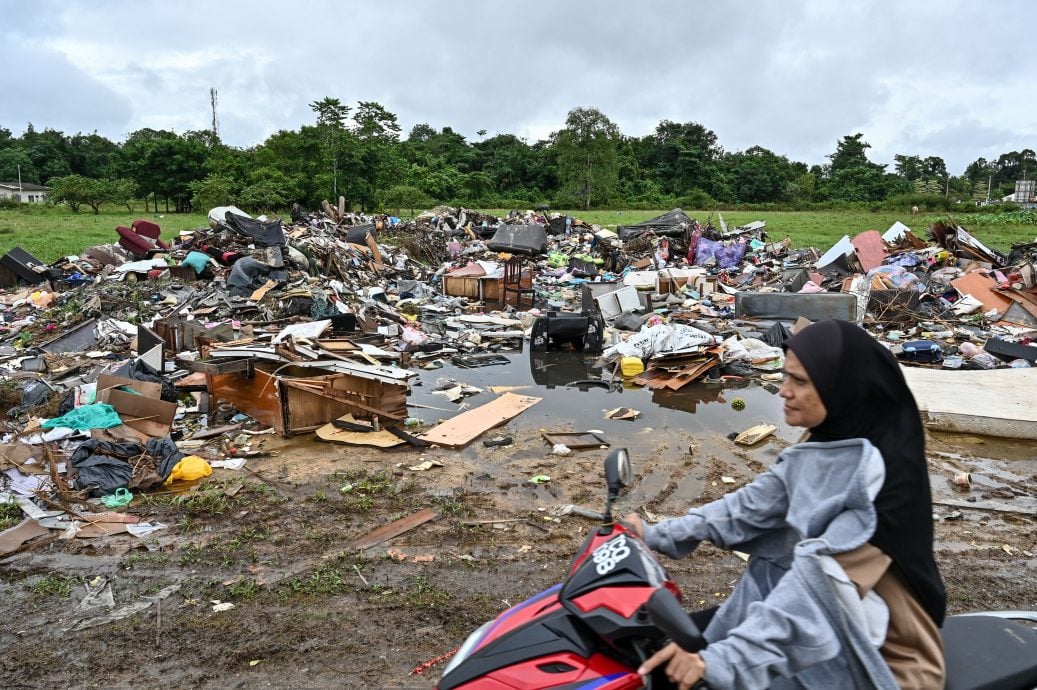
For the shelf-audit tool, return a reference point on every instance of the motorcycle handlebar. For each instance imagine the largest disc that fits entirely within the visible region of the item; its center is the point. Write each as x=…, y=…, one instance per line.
x=669, y=616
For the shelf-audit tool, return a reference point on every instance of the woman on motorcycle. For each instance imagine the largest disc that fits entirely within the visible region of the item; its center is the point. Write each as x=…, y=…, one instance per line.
x=842, y=589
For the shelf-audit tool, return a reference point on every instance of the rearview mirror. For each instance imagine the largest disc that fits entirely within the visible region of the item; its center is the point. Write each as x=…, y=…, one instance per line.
x=617, y=470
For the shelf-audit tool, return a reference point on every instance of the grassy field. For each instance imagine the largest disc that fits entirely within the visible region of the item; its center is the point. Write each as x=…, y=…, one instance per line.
x=822, y=229
x=49, y=232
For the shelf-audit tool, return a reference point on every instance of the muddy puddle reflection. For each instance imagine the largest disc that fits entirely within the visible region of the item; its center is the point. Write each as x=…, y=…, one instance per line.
x=575, y=396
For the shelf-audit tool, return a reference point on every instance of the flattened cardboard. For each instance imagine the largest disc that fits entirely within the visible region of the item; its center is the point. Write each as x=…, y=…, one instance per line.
x=145, y=388
x=467, y=426
x=11, y=539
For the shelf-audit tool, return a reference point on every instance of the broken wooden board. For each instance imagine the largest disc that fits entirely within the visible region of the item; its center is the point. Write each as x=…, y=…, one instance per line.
x=467, y=426
x=393, y=529
x=655, y=378
x=994, y=402
x=375, y=439
x=755, y=434
x=259, y=293
x=575, y=439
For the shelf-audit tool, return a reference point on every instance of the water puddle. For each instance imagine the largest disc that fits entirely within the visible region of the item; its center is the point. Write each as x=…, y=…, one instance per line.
x=575, y=396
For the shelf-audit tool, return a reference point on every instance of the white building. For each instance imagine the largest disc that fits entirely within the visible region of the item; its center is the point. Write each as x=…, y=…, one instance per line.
x=27, y=193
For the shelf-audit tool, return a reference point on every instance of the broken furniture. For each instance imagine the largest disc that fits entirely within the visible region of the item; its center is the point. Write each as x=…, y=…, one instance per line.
x=296, y=397
x=583, y=332
x=141, y=239
x=518, y=281
x=18, y=264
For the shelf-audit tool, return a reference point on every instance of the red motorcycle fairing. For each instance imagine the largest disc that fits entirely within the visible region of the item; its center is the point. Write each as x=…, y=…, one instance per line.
x=550, y=650
x=589, y=634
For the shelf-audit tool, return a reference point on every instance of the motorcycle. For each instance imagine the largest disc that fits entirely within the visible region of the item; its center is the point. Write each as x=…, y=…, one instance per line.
x=618, y=606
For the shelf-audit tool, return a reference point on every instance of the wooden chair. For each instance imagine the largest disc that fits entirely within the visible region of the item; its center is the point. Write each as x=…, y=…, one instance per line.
x=517, y=281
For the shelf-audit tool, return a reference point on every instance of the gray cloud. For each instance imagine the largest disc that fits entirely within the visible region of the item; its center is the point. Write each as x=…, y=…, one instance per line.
x=929, y=77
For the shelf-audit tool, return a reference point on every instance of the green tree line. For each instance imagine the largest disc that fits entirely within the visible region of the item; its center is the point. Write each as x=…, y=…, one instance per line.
x=356, y=151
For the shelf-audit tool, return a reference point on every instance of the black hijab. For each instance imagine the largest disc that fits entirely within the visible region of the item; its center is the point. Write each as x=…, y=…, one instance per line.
x=866, y=396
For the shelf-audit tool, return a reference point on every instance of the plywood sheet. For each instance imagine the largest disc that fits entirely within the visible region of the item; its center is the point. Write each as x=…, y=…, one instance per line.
x=995, y=402
x=467, y=426
x=374, y=439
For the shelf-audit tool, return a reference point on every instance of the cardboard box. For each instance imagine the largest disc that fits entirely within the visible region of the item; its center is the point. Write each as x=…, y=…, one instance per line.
x=141, y=409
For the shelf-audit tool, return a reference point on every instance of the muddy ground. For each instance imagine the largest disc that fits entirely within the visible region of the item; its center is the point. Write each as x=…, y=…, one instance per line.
x=310, y=612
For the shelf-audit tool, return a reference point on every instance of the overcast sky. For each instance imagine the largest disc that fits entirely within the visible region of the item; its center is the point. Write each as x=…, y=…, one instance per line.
x=953, y=78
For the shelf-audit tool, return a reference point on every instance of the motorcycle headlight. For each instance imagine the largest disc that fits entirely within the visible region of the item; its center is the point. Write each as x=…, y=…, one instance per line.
x=466, y=648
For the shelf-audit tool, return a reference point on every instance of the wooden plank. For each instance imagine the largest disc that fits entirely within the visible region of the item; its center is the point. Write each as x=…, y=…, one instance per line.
x=993, y=402
x=393, y=529
x=467, y=426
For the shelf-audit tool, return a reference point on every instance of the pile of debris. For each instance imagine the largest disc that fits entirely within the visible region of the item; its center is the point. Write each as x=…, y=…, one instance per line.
x=151, y=359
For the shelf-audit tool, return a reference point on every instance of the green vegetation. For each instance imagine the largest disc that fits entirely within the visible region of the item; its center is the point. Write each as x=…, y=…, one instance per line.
x=10, y=515
x=327, y=579
x=53, y=585
x=356, y=151
x=425, y=595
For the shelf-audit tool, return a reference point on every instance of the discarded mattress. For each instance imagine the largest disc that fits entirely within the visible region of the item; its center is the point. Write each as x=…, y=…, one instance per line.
x=519, y=239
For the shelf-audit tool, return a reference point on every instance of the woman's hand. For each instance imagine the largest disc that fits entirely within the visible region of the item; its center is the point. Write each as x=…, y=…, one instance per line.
x=635, y=523
x=683, y=669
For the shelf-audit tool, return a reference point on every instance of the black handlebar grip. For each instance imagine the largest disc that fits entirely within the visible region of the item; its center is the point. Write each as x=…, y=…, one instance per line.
x=669, y=616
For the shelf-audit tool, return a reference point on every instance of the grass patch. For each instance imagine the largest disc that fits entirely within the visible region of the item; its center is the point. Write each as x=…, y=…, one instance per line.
x=360, y=488
x=326, y=580
x=53, y=585
x=10, y=515
x=423, y=594
x=244, y=590
x=451, y=505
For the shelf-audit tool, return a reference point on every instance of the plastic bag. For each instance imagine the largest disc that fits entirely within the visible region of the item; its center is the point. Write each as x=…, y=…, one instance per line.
x=705, y=251
x=413, y=336
x=189, y=468
x=729, y=256
x=96, y=416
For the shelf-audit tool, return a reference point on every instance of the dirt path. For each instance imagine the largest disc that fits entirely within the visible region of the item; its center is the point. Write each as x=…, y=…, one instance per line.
x=310, y=612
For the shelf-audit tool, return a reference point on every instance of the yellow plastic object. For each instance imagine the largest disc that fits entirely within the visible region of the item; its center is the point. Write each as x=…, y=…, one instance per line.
x=631, y=366
x=189, y=468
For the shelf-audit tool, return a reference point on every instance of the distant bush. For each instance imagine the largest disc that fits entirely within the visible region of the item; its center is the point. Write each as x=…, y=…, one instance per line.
x=927, y=203
x=10, y=202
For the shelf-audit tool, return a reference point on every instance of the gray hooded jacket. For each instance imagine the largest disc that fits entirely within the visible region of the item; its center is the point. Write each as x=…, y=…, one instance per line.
x=794, y=620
